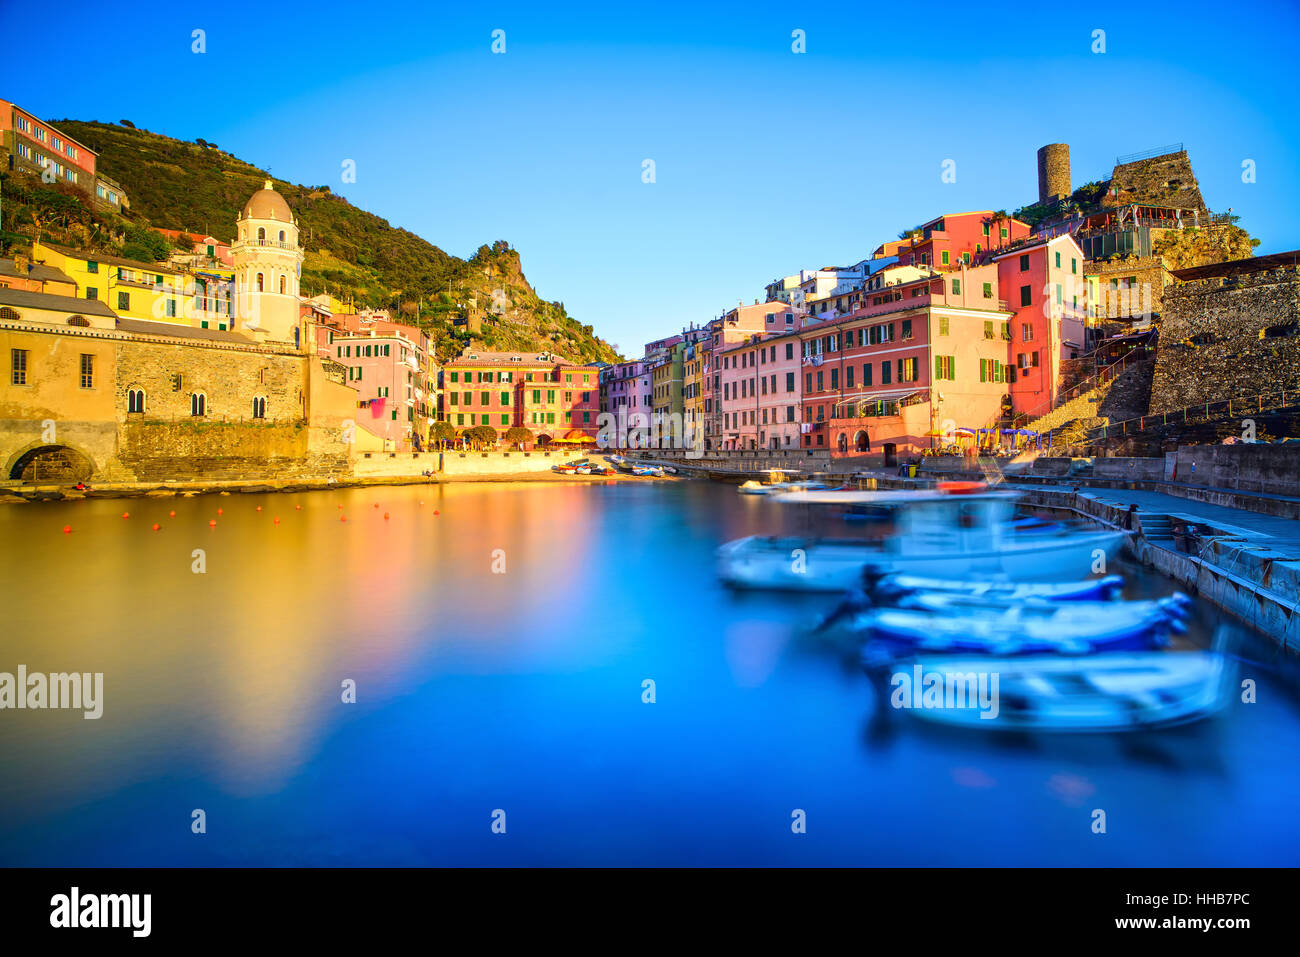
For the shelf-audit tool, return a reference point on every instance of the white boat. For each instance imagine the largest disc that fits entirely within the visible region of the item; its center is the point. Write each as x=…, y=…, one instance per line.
x=1116, y=692
x=776, y=483
x=938, y=534
x=956, y=604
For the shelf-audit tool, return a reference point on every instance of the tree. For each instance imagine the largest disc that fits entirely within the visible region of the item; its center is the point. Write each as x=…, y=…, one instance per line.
x=517, y=435
x=482, y=435
x=444, y=433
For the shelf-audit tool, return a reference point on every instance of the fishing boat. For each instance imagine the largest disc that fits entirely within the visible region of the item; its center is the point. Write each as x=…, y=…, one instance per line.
x=648, y=470
x=888, y=588
x=1121, y=692
x=938, y=534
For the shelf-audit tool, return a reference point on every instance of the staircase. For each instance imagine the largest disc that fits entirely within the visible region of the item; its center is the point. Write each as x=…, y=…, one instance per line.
x=1083, y=406
x=1157, y=529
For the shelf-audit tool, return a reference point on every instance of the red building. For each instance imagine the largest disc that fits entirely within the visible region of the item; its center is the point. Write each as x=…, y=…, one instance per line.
x=956, y=238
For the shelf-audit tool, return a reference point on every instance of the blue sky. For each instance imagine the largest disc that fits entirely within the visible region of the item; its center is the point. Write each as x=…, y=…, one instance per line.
x=766, y=161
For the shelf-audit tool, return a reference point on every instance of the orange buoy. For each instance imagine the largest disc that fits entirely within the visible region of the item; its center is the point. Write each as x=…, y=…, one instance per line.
x=277, y=520
x=156, y=526
x=298, y=507
x=343, y=518
x=385, y=516
x=259, y=508
x=340, y=505
x=171, y=514
x=67, y=529
x=376, y=505
x=212, y=524
x=219, y=512
x=126, y=514
x=436, y=512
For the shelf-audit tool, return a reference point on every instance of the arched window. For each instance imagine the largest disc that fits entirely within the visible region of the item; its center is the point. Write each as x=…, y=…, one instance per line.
x=135, y=400
x=261, y=232
x=259, y=282
x=78, y=321
x=8, y=315
x=259, y=407
x=282, y=235
x=198, y=404
x=282, y=285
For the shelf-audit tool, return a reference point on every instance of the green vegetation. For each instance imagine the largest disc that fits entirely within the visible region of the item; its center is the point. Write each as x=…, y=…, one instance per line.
x=350, y=254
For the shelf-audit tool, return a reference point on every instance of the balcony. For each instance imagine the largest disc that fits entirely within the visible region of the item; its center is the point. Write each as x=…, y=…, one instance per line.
x=273, y=243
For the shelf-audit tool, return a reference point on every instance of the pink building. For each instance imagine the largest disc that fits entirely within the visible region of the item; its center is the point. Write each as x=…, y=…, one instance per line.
x=948, y=241
x=389, y=365
x=1044, y=283
x=760, y=393
x=205, y=247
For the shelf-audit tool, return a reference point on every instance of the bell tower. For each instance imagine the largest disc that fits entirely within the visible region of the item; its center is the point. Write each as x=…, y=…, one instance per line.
x=268, y=266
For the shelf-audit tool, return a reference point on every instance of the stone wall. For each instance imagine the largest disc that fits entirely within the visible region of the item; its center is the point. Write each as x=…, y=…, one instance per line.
x=1165, y=180
x=1230, y=338
x=1257, y=467
x=504, y=463
x=1125, y=303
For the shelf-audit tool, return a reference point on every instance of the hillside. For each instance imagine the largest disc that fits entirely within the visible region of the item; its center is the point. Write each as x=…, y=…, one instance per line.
x=350, y=253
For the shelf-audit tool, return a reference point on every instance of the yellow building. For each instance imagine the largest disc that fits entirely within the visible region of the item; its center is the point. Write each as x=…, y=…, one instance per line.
x=134, y=290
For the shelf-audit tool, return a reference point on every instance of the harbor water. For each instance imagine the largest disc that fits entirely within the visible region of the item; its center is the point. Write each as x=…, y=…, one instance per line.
x=544, y=674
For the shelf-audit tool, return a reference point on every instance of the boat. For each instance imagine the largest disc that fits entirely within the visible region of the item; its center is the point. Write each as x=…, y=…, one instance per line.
x=886, y=589
x=776, y=483
x=648, y=470
x=566, y=469
x=1119, y=692
x=938, y=534
x=1067, y=628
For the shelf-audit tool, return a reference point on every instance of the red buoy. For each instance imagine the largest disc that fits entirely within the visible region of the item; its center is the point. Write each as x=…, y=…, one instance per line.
x=385, y=516
x=171, y=514
x=126, y=514
x=219, y=512
x=259, y=508
x=298, y=507
x=67, y=529
x=343, y=518
x=277, y=520
x=436, y=512
x=156, y=526
x=212, y=524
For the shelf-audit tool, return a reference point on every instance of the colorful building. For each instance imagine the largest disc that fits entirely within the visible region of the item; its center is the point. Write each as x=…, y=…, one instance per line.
x=29, y=144
x=953, y=239
x=760, y=394
x=548, y=395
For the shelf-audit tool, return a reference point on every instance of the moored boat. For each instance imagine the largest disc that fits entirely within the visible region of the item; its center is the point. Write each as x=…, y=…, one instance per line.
x=938, y=534
x=888, y=588
x=1120, y=692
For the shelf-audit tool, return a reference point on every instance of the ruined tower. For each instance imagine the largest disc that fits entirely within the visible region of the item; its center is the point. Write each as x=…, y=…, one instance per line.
x=1053, y=172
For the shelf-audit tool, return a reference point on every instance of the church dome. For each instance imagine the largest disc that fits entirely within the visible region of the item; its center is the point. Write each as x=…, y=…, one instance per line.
x=266, y=203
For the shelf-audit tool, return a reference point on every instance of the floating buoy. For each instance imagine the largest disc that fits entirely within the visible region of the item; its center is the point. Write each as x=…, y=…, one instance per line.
x=343, y=518
x=376, y=505
x=421, y=505
x=277, y=520
x=385, y=516
x=259, y=508
x=171, y=514
x=126, y=514
x=67, y=529
x=156, y=526
x=436, y=512
x=212, y=524
x=219, y=512
x=298, y=507
x=340, y=505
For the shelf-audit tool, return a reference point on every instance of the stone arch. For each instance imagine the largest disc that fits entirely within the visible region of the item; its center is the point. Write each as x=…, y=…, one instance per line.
x=41, y=462
x=862, y=441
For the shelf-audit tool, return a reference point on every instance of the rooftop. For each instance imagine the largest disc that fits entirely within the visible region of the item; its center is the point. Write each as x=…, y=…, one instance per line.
x=22, y=299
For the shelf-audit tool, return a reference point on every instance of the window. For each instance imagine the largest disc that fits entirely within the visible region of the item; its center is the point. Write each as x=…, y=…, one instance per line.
x=261, y=232
x=123, y=300
x=965, y=257
x=943, y=325
x=884, y=373
x=1024, y=263
x=1074, y=265
x=87, y=371
x=988, y=329
x=907, y=370
x=198, y=404
x=944, y=367
x=907, y=328
x=92, y=266
x=1026, y=295
x=1004, y=232
x=1026, y=332
x=1058, y=260
x=18, y=366
x=282, y=285
x=943, y=257
x=956, y=287
x=171, y=308
x=260, y=282
x=505, y=398
x=259, y=407
x=92, y=292
x=988, y=290
x=282, y=235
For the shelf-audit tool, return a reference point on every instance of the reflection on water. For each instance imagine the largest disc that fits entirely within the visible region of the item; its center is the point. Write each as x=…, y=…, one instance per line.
x=523, y=691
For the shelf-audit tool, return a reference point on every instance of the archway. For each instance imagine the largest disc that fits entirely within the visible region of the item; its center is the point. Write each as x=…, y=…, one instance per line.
x=842, y=442
x=861, y=442
x=51, y=463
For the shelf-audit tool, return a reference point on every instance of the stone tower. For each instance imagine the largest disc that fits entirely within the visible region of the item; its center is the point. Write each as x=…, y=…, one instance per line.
x=268, y=265
x=1053, y=172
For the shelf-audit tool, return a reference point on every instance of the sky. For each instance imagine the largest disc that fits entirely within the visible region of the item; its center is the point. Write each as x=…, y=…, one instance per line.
x=766, y=160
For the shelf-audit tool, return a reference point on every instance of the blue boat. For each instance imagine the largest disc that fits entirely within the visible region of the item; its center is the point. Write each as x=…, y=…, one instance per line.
x=1042, y=628
x=889, y=589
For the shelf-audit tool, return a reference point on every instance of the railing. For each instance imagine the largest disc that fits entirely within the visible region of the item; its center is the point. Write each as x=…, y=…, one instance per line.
x=263, y=242
x=1103, y=376
x=1229, y=407
x=1149, y=154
